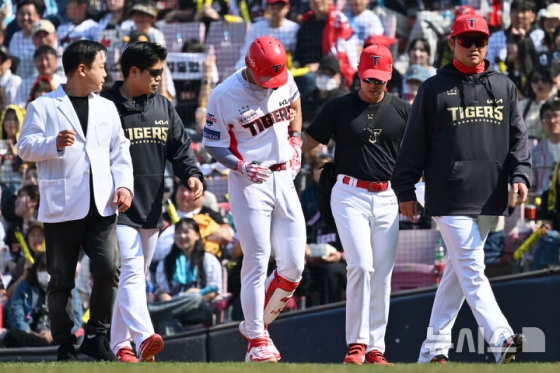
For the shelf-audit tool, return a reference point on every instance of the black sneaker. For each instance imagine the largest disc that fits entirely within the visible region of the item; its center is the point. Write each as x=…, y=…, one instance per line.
x=98, y=348
x=66, y=352
x=511, y=347
x=440, y=359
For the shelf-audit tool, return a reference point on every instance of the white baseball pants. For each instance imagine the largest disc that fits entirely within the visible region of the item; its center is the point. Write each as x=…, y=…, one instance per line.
x=464, y=278
x=368, y=227
x=131, y=319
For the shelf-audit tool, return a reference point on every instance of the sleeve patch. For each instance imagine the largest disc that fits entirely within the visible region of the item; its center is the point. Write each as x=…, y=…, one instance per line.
x=211, y=135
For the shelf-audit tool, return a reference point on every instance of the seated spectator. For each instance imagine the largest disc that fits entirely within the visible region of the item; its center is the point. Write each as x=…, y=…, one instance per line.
x=115, y=15
x=81, y=24
x=29, y=245
x=190, y=276
x=45, y=63
x=21, y=43
x=28, y=316
x=144, y=15
x=330, y=26
x=540, y=89
x=44, y=33
x=10, y=175
x=546, y=153
x=8, y=81
x=41, y=86
x=523, y=14
x=363, y=21
x=327, y=85
x=277, y=25
x=324, y=256
x=415, y=75
x=419, y=53
x=521, y=58
x=214, y=229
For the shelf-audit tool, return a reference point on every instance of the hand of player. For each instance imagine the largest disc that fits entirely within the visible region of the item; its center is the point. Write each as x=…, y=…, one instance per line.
x=196, y=187
x=65, y=138
x=295, y=162
x=257, y=173
x=410, y=210
x=520, y=190
x=122, y=199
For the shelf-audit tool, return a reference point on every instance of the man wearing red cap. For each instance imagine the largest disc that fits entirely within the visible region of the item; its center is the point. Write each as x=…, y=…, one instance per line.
x=249, y=129
x=367, y=126
x=465, y=136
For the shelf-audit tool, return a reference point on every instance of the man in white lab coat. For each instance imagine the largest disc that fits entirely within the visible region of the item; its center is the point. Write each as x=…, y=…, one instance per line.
x=85, y=176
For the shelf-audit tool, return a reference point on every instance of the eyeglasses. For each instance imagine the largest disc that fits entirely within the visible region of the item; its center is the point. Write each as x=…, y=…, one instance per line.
x=550, y=117
x=373, y=81
x=155, y=73
x=539, y=79
x=468, y=41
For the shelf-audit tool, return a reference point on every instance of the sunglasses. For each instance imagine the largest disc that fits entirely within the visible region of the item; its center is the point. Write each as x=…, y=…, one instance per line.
x=373, y=81
x=155, y=73
x=468, y=41
x=539, y=79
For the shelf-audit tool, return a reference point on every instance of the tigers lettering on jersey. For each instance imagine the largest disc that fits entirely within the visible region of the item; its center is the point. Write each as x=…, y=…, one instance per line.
x=261, y=123
x=147, y=134
x=476, y=113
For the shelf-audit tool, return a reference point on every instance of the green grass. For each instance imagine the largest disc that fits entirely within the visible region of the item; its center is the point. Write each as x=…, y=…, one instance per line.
x=87, y=367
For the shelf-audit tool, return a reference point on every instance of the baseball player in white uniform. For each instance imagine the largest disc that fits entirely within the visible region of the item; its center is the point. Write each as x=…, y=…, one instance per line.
x=248, y=129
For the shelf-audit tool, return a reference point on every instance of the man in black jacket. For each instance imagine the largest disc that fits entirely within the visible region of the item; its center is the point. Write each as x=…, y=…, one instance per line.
x=465, y=136
x=156, y=135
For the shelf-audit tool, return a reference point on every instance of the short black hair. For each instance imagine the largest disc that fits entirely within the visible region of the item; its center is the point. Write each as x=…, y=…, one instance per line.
x=141, y=54
x=38, y=7
x=552, y=104
x=81, y=52
x=44, y=49
x=524, y=5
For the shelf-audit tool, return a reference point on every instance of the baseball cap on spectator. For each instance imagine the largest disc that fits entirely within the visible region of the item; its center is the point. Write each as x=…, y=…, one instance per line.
x=551, y=11
x=469, y=23
x=379, y=39
x=416, y=72
x=464, y=10
x=43, y=25
x=331, y=63
x=144, y=8
x=376, y=61
x=34, y=224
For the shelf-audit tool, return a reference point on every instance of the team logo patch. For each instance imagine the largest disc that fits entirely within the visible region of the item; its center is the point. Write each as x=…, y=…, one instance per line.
x=210, y=134
x=375, y=59
x=247, y=116
x=210, y=119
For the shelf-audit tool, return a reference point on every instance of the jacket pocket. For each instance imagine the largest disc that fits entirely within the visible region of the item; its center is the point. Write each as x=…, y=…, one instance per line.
x=103, y=133
x=53, y=196
x=472, y=183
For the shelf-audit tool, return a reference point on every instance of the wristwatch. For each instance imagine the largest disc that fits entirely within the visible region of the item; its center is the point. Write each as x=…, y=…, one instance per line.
x=295, y=134
x=206, y=82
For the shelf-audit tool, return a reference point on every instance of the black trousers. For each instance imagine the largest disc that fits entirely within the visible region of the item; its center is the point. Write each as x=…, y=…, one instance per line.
x=98, y=238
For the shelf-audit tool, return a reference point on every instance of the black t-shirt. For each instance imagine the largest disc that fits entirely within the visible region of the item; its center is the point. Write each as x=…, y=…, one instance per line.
x=81, y=106
x=345, y=118
x=311, y=104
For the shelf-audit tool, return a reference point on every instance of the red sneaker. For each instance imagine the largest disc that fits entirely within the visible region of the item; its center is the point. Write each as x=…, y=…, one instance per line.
x=126, y=355
x=258, y=351
x=440, y=359
x=376, y=357
x=355, y=355
x=151, y=347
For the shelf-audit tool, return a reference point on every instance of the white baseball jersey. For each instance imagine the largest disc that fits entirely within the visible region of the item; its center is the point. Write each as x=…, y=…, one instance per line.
x=238, y=119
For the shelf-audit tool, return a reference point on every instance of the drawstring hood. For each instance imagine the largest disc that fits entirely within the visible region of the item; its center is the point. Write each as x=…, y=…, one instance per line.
x=480, y=75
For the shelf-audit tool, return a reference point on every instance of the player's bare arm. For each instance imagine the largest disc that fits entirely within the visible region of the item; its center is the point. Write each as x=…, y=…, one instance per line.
x=296, y=122
x=309, y=142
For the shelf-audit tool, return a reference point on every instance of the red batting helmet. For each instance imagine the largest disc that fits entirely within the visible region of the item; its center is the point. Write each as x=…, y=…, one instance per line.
x=266, y=58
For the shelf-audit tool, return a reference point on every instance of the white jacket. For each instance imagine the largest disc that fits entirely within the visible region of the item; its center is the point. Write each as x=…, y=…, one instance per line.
x=64, y=176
